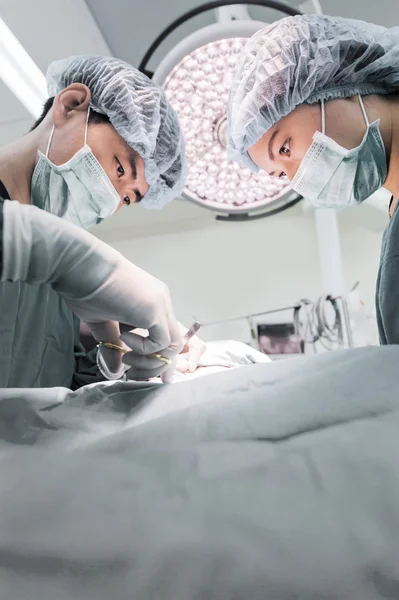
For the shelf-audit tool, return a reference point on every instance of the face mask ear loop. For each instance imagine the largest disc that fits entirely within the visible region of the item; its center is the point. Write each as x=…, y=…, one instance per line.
x=87, y=123
x=49, y=142
x=363, y=110
x=323, y=118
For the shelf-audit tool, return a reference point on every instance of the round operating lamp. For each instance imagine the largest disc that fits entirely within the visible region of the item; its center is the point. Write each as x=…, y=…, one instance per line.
x=197, y=75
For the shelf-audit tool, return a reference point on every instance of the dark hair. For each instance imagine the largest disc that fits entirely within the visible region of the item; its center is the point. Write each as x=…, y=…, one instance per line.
x=94, y=116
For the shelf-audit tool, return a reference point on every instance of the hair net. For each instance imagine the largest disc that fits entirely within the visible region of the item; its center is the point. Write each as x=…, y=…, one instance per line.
x=140, y=113
x=305, y=59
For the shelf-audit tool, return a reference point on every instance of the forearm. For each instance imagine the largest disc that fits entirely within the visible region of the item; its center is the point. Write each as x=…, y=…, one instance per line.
x=38, y=247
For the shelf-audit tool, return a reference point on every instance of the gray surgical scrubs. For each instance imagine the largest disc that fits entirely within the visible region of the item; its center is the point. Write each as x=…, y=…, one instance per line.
x=387, y=292
x=39, y=337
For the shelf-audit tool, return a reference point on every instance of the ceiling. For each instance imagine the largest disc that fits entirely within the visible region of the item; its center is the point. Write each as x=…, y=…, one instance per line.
x=129, y=26
x=53, y=29
x=44, y=29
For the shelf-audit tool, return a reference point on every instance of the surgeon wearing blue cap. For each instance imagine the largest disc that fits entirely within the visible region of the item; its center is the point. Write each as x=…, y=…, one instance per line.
x=316, y=99
x=107, y=137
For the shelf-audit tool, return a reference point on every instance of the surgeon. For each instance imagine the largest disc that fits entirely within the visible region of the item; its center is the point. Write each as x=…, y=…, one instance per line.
x=107, y=138
x=316, y=99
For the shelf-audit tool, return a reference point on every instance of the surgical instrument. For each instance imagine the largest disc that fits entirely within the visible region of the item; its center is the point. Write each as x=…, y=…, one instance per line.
x=194, y=329
x=110, y=346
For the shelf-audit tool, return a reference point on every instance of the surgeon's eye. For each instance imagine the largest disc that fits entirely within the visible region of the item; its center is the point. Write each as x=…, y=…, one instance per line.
x=285, y=148
x=282, y=174
x=119, y=169
x=126, y=200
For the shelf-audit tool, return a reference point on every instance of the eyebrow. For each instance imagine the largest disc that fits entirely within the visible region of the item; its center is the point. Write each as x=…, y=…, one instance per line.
x=132, y=158
x=270, y=145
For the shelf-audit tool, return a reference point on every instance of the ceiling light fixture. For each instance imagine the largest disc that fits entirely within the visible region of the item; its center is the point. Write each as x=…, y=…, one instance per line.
x=196, y=75
x=20, y=73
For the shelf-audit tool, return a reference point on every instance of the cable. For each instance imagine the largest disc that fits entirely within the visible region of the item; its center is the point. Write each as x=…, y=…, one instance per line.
x=316, y=327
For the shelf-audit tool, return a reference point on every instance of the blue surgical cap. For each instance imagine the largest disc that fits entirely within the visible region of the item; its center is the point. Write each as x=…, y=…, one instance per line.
x=140, y=113
x=305, y=59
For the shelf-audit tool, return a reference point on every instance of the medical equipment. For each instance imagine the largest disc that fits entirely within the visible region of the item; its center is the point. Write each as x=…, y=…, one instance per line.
x=279, y=338
x=323, y=324
x=123, y=351
x=194, y=329
x=111, y=347
x=163, y=359
x=197, y=75
x=323, y=321
x=191, y=332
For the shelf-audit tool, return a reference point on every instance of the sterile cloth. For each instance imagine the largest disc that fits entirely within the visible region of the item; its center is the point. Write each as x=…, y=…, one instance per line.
x=275, y=481
x=221, y=355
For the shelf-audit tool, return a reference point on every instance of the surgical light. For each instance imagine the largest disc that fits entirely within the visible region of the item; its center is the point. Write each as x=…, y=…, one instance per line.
x=197, y=76
x=20, y=73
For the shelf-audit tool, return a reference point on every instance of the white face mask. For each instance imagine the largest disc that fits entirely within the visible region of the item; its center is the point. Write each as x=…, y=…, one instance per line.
x=79, y=191
x=330, y=175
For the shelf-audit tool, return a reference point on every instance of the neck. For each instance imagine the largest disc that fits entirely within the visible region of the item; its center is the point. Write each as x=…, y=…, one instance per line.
x=17, y=163
x=392, y=181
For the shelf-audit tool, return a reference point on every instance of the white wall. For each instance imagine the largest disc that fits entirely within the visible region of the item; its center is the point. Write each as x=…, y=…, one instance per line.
x=232, y=269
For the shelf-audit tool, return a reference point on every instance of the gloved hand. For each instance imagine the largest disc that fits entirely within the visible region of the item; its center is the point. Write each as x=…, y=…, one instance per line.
x=146, y=367
x=97, y=282
x=190, y=356
x=113, y=363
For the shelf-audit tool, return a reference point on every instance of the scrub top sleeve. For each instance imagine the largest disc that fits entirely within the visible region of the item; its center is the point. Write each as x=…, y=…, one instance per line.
x=387, y=289
x=1, y=235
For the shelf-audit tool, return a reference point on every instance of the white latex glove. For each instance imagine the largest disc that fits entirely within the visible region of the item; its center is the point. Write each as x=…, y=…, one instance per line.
x=190, y=356
x=142, y=367
x=96, y=281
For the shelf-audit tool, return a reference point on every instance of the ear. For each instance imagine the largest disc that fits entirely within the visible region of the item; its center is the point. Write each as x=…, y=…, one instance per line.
x=75, y=98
